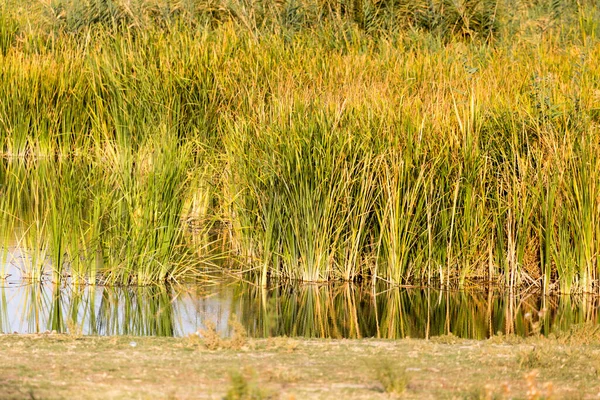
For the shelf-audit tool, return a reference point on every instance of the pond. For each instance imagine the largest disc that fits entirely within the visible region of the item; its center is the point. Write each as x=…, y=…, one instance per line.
x=316, y=311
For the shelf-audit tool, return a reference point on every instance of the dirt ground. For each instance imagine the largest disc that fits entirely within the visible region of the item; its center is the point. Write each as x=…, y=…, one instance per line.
x=55, y=366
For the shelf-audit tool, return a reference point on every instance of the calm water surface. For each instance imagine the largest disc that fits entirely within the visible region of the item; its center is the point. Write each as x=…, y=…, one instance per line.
x=327, y=311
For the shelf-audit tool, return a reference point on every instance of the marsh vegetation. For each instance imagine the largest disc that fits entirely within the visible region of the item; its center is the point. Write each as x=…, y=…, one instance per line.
x=423, y=142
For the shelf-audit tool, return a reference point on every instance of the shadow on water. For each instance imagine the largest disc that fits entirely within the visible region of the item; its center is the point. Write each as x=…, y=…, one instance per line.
x=323, y=311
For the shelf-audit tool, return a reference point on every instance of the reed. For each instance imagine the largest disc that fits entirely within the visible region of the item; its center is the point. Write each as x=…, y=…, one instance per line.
x=433, y=142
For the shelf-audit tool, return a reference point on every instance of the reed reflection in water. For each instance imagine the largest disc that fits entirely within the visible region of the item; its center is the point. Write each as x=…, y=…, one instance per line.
x=323, y=311
x=140, y=311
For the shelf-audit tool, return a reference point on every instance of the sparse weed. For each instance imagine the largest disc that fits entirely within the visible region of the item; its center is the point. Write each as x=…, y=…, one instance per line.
x=213, y=341
x=239, y=338
x=531, y=359
x=210, y=337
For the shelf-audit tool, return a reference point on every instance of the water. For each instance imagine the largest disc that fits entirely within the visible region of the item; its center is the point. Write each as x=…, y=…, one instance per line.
x=325, y=311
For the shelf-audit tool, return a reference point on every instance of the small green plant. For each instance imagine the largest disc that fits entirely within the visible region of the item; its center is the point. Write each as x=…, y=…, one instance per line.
x=392, y=377
x=243, y=389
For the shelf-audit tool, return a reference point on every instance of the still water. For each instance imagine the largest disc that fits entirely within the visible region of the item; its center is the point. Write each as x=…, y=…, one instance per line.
x=326, y=311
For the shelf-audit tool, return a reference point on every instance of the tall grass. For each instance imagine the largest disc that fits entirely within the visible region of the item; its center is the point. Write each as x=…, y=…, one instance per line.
x=434, y=142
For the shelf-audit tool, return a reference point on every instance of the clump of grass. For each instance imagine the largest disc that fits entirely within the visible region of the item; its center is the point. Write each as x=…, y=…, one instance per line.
x=448, y=338
x=210, y=337
x=239, y=338
x=213, y=341
x=532, y=358
x=243, y=389
x=392, y=378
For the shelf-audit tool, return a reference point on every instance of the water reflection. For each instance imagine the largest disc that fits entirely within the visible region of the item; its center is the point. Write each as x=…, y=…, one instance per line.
x=346, y=311
x=325, y=311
